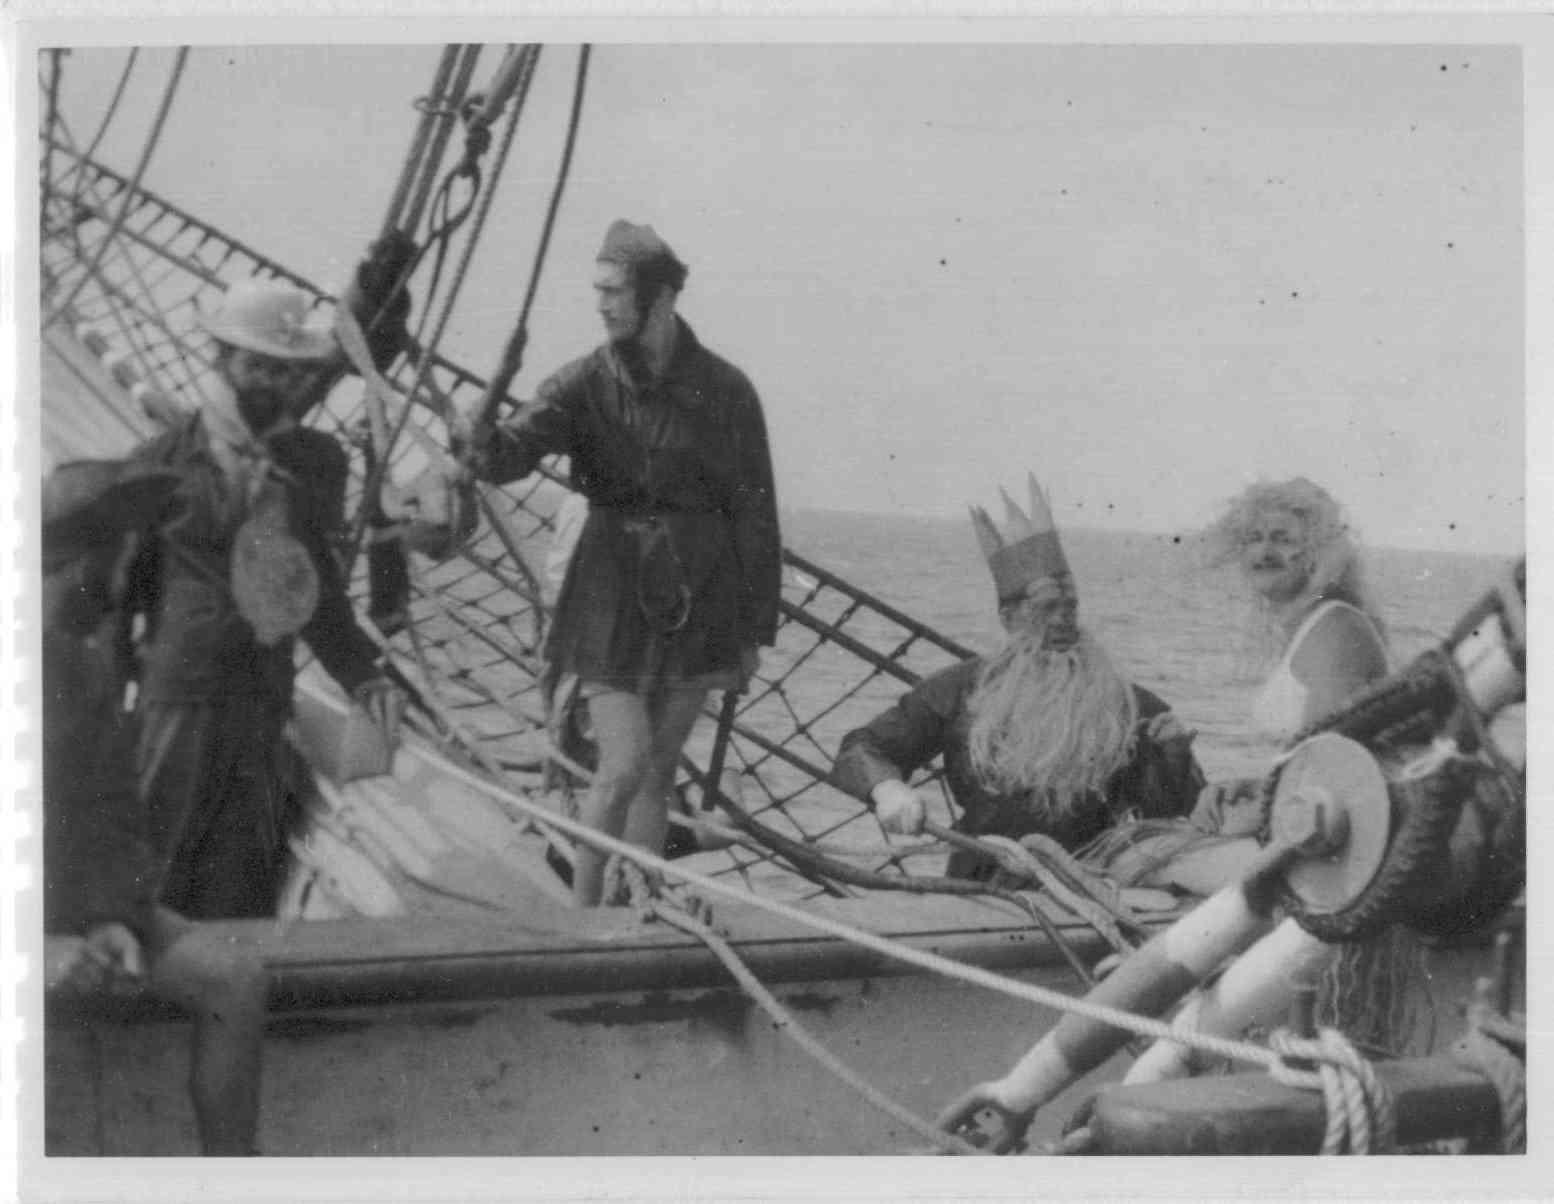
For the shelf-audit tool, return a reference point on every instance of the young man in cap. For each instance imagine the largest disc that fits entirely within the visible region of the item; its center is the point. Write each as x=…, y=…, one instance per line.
x=100, y=872
x=675, y=579
x=240, y=566
x=1044, y=736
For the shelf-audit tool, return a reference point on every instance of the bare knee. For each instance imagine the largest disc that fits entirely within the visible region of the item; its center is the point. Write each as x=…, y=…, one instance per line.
x=213, y=975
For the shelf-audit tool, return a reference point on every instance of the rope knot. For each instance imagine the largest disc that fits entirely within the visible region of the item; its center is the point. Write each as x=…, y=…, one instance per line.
x=1361, y=1115
x=477, y=141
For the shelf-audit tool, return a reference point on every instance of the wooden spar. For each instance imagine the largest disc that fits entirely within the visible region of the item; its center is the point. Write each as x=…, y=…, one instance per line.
x=1435, y=1099
x=552, y=950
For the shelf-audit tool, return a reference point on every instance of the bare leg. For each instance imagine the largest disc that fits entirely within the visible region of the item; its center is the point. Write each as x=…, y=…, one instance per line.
x=624, y=735
x=674, y=714
x=223, y=985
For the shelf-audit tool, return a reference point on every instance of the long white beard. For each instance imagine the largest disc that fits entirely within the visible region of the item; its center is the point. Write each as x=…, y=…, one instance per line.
x=1059, y=723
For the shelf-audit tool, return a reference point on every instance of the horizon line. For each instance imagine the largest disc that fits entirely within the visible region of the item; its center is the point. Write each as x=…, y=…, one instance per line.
x=1182, y=535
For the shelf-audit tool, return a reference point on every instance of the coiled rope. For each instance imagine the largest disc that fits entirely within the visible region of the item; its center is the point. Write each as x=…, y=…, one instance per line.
x=1361, y=1114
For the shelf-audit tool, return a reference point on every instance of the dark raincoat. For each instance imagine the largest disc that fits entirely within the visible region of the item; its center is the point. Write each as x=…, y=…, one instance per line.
x=679, y=564
x=213, y=700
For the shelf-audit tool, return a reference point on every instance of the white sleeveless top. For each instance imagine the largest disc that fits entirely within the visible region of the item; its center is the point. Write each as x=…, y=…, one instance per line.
x=1279, y=710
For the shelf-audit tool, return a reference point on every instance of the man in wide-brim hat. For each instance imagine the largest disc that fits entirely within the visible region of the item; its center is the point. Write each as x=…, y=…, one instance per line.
x=675, y=580
x=1043, y=736
x=237, y=567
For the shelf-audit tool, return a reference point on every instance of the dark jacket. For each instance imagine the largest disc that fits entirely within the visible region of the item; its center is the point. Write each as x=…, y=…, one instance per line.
x=97, y=860
x=199, y=648
x=931, y=720
x=680, y=562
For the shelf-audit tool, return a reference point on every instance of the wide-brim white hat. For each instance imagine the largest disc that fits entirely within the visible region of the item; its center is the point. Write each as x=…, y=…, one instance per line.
x=269, y=317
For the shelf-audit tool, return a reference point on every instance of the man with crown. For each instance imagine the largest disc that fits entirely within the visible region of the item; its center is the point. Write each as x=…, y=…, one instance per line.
x=674, y=583
x=1043, y=736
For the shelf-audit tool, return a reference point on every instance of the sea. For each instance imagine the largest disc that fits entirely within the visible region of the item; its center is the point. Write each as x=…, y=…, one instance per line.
x=1173, y=623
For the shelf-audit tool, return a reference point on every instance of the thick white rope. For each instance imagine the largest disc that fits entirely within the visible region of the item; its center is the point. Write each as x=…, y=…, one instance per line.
x=675, y=912
x=1240, y=1051
x=1361, y=1117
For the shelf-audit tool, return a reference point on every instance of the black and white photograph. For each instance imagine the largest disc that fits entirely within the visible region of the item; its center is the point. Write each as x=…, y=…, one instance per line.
x=604, y=591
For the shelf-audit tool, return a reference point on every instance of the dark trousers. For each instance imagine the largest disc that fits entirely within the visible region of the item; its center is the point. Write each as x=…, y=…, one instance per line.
x=210, y=778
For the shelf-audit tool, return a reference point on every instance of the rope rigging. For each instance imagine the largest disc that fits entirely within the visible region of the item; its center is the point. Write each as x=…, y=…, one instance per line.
x=428, y=107
x=511, y=83
x=51, y=117
x=512, y=354
x=108, y=116
x=158, y=124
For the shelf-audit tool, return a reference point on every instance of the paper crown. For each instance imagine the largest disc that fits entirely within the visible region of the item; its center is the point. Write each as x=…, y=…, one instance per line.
x=1031, y=554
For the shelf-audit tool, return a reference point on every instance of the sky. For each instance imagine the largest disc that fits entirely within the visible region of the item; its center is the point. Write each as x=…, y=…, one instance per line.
x=1149, y=274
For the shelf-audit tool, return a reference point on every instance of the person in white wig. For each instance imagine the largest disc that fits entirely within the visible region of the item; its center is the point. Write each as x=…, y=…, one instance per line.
x=1043, y=736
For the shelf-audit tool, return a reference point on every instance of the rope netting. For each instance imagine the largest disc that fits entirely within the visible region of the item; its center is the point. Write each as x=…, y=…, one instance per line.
x=139, y=271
